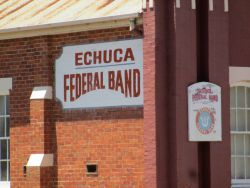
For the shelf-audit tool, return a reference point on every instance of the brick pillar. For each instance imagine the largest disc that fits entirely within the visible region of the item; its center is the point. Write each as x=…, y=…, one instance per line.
x=190, y=46
x=218, y=66
x=37, y=120
x=149, y=98
x=182, y=73
x=41, y=124
x=170, y=66
x=42, y=133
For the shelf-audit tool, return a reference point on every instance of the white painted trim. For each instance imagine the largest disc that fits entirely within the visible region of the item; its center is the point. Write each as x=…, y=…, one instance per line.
x=178, y=4
x=193, y=4
x=239, y=74
x=240, y=186
x=44, y=92
x=4, y=184
x=70, y=27
x=151, y=3
x=72, y=23
x=40, y=160
x=5, y=86
x=226, y=6
x=211, y=5
x=240, y=183
x=132, y=24
x=144, y=4
x=245, y=84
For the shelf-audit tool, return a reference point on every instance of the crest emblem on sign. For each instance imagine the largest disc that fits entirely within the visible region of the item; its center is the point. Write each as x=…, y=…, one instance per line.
x=205, y=121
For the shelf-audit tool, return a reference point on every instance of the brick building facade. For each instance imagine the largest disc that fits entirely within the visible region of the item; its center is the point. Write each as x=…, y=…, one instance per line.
x=146, y=146
x=113, y=138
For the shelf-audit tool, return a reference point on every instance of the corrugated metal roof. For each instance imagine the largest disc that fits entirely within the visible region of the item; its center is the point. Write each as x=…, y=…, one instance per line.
x=28, y=13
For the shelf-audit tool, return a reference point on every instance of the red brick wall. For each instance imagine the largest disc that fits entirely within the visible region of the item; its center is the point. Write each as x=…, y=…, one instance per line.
x=111, y=137
x=149, y=98
x=239, y=33
x=191, y=46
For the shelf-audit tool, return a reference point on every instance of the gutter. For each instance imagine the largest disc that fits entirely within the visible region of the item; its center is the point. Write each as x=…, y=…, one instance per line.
x=71, y=26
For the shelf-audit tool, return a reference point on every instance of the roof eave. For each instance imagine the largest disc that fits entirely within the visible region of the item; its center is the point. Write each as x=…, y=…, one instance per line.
x=71, y=26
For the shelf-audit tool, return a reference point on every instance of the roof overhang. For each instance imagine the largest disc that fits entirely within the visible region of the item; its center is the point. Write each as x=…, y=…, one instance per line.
x=71, y=27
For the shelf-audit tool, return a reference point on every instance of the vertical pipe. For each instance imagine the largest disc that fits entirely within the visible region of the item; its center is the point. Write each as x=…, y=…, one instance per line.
x=178, y=4
x=193, y=4
x=151, y=3
x=211, y=5
x=226, y=6
x=144, y=4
